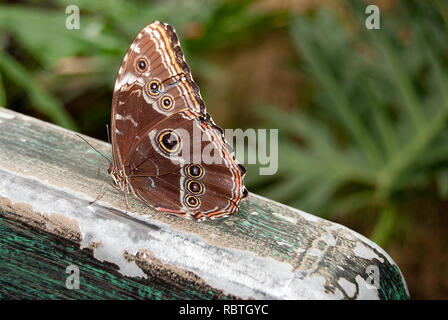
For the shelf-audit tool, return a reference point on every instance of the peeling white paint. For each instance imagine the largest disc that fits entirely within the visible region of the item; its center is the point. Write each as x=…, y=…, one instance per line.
x=282, y=243
x=301, y=213
x=299, y=250
x=285, y=217
x=239, y=272
x=338, y=228
x=366, y=290
x=314, y=252
x=5, y=115
x=348, y=287
x=305, y=289
x=329, y=239
x=362, y=251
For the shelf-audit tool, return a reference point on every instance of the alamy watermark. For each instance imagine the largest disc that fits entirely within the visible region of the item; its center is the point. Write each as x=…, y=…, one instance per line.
x=72, y=281
x=203, y=146
x=257, y=142
x=373, y=20
x=373, y=277
x=73, y=19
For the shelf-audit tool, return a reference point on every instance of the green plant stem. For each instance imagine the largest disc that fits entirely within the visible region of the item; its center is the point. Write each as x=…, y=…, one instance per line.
x=385, y=225
x=402, y=81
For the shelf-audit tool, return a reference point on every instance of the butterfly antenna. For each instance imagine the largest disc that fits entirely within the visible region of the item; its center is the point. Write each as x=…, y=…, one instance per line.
x=110, y=162
x=108, y=133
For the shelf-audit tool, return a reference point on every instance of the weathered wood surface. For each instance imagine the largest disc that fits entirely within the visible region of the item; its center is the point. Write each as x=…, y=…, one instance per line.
x=265, y=251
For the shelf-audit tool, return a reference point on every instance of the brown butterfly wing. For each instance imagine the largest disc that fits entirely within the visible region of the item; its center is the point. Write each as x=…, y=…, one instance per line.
x=154, y=91
x=135, y=108
x=158, y=173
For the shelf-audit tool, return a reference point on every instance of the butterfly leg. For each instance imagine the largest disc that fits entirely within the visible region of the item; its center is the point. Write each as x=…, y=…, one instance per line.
x=101, y=194
x=126, y=200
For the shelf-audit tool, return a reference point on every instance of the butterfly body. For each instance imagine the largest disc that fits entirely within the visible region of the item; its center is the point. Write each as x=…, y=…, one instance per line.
x=166, y=148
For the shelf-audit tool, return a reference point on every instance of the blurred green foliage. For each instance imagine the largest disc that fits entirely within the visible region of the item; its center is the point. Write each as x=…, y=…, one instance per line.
x=376, y=134
x=370, y=133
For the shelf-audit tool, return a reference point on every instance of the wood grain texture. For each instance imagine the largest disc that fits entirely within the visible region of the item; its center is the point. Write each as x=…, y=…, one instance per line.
x=267, y=250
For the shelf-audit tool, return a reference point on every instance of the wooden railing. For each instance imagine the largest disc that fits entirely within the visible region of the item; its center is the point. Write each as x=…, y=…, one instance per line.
x=51, y=237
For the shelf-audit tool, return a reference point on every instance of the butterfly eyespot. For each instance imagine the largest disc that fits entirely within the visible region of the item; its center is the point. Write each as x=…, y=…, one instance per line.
x=192, y=201
x=194, y=171
x=167, y=103
x=142, y=65
x=169, y=141
x=195, y=187
x=154, y=88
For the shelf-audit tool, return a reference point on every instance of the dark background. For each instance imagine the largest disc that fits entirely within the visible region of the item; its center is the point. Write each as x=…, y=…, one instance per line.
x=362, y=114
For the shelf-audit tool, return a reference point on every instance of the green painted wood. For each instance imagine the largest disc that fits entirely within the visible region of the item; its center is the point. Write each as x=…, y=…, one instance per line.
x=33, y=266
x=266, y=250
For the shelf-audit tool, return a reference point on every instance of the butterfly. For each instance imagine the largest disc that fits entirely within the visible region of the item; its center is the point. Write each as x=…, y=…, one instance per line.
x=166, y=148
